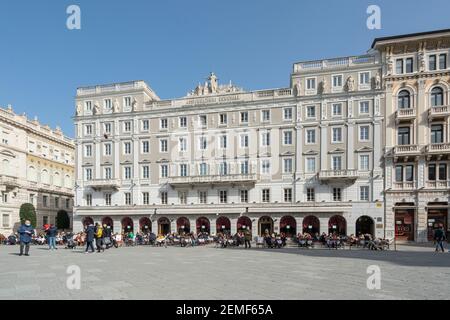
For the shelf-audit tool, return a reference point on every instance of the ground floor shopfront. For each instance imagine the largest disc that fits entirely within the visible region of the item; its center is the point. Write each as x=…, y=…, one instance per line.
x=343, y=220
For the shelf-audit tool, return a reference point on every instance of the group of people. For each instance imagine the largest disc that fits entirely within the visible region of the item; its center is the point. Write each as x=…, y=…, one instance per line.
x=240, y=238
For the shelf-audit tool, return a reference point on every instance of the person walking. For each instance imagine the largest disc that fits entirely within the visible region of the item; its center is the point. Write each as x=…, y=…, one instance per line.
x=90, y=232
x=247, y=238
x=439, y=237
x=99, y=238
x=52, y=232
x=25, y=231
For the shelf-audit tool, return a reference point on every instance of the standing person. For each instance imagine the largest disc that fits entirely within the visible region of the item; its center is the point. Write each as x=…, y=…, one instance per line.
x=25, y=233
x=52, y=232
x=90, y=232
x=107, y=233
x=247, y=238
x=99, y=238
x=439, y=237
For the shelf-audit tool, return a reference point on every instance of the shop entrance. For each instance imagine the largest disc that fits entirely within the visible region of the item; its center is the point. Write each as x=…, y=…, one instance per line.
x=404, y=225
x=436, y=218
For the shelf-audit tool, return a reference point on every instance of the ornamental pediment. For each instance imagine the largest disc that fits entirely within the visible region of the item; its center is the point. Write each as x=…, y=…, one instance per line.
x=287, y=154
x=364, y=149
x=311, y=153
x=7, y=153
x=212, y=87
x=337, y=150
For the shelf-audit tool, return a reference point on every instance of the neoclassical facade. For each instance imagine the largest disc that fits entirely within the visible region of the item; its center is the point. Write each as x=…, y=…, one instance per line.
x=37, y=167
x=416, y=73
x=305, y=158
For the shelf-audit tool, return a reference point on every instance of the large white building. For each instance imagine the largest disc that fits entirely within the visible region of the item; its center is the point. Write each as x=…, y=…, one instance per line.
x=305, y=158
x=37, y=167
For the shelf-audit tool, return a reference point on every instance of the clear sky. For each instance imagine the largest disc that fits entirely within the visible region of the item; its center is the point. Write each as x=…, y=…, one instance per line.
x=174, y=44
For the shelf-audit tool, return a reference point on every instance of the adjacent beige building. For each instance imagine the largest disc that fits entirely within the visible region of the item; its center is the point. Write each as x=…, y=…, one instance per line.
x=37, y=167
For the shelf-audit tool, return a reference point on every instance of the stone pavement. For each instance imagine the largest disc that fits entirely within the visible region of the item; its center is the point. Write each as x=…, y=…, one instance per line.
x=413, y=272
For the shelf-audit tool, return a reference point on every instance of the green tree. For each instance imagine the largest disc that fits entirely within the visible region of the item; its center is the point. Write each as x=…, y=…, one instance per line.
x=62, y=220
x=28, y=212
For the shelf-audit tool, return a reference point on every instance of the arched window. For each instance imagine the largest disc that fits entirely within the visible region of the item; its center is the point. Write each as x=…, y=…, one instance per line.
x=45, y=177
x=68, y=181
x=57, y=179
x=32, y=176
x=5, y=167
x=437, y=97
x=404, y=100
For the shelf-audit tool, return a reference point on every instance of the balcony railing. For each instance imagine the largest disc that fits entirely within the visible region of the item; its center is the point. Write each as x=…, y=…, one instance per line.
x=102, y=183
x=439, y=111
x=214, y=179
x=406, y=149
x=405, y=185
x=438, y=148
x=9, y=181
x=338, y=174
x=344, y=62
x=402, y=114
x=439, y=184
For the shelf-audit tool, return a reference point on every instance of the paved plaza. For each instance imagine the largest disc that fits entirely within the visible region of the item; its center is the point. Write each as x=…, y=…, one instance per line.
x=146, y=272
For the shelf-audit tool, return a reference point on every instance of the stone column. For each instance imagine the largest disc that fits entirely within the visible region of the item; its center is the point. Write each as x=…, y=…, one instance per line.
x=212, y=226
x=255, y=230
x=233, y=222
x=324, y=224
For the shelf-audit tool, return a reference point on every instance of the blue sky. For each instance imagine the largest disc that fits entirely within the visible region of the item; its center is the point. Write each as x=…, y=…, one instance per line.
x=174, y=44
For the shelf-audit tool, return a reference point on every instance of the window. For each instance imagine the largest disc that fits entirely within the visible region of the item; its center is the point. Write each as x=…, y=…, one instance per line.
x=364, y=78
x=265, y=167
x=127, y=101
x=145, y=125
x=244, y=167
x=88, y=150
x=203, y=120
x=437, y=133
x=127, y=126
x=88, y=174
x=409, y=65
x=223, y=142
x=183, y=197
x=183, y=170
x=223, y=118
x=107, y=149
x=310, y=194
x=223, y=168
x=364, y=193
x=183, y=122
x=203, y=143
x=203, y=197
x=223, y=196
x=364, y=162
x=244, y=196
x=88, y=129
x=145, y=172
x=337, y=194
x=364, y=107
x=311, y=165
x=404, y=100
x=311, y=84
x=107, y=127
x=145, y=146
x=432, y=63
x=337, y=135
x=163, y=145
x=4, y=197
x=409, y=173
x=127, y=173
x=442, y=61
x=266, y=195
x=287, y=114
x=311, y=111
x=145, y=198
x=287, y=195
x=67, y=203
x=244, y=117
x=337, y=81
x=127, y=148
x=311, y=136
x=337, y=109
x=287, y=138
x=164, y=170
x=244, y=141
x=108, y=199
x=182, y=144
x=45, y=201
x=364, y=133
x=399, y=173
x=287, y=165
x=336, y=163
x=108, y=173
x=44, y=220
x=203, y=168
x=265, y=115
x=56, y=202
x=163, y=197
x=265, y=139
x=432, y=172
x=437, y=97
x=163, y=123
x=107, y=104
x=443, y=171
x=399, y=66
x=89, y=200
x=127, y=198
x=88, y=105
x=403, y=136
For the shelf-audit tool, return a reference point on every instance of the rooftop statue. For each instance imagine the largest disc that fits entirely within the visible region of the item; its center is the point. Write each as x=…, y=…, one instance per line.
x=212, y=86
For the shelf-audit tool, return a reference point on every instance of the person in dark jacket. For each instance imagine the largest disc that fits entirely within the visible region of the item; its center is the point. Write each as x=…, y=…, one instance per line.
x=25, y=231
x=439, y=237
x=52, y=232
x=90, y=232
x=247, y=238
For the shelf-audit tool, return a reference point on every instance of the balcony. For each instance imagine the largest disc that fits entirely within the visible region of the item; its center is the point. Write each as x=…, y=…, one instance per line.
x=329, y=175
x=438, y=148
x=214, y=179
x=439, y=112
x=405, y=185
x=439, y=184
x=405, y=114
x=99, y=184
x=8, y=182
x=410, y=149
